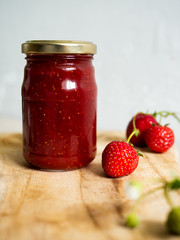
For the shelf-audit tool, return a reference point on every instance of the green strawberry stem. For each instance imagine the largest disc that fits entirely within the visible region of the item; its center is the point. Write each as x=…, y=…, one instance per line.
x=166, y=187
x=145, y=195
x=166, y=194
x=135, y=131
x=164, y=114
x=167, y=197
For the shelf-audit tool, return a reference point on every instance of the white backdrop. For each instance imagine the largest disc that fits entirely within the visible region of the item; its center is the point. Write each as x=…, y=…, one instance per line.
x=138, y=60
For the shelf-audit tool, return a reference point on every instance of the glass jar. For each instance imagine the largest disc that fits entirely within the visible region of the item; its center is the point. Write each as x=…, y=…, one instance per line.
x=59, y=104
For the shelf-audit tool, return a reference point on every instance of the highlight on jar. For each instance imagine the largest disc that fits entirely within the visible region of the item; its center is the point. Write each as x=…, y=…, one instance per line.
x=59, y=103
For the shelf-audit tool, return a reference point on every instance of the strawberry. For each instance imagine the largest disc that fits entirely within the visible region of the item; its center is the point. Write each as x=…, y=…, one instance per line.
x=142, y=122
x=119, y=159
x=159, y=138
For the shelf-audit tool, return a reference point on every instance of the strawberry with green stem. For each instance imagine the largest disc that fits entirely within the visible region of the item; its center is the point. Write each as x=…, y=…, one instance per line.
x=119, y=158
x=143, y=122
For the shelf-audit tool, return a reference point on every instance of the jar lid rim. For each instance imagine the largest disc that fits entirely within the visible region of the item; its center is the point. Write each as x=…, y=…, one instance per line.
x=59, y=46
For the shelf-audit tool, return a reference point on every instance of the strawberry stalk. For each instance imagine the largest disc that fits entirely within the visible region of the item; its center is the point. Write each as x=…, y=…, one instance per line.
x=167, y=197
x=166, y=194
x=132, y=219
x=164, y=114
x=135, y=131
x=145, y=195
x=167, y=186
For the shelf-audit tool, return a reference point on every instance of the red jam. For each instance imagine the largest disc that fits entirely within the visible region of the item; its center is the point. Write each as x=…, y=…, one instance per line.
x=59, y=111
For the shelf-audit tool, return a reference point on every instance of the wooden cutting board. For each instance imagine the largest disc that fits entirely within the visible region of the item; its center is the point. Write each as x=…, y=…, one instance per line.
x=82, y=204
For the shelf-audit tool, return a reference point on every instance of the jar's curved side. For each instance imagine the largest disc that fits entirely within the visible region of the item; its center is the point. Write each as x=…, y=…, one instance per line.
x=59, y=130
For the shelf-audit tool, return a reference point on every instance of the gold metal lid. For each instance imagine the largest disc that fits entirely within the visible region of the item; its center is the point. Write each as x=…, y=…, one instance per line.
x=61, y=47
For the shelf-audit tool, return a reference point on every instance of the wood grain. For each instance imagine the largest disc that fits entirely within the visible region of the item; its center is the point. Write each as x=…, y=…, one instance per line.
x=82, y=204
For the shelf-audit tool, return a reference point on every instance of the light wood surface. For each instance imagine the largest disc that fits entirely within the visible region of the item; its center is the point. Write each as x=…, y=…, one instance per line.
x=82, y=204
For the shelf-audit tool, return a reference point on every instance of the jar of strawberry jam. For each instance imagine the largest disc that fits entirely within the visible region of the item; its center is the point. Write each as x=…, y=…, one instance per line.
x=59, y=104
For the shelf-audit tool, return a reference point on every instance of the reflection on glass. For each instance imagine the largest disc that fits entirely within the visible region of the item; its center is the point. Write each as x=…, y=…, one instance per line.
x=69, y=85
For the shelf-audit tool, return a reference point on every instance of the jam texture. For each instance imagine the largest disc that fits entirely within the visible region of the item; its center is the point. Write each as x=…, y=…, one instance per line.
x=59, y=111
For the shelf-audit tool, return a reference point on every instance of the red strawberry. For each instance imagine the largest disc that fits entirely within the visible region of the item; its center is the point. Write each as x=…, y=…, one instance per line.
x=119, y=159
x=142, y=122
x=159, y=138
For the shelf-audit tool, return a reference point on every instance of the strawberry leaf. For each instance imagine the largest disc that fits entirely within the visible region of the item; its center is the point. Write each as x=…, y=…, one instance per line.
x=174, y=184
x=139, y=154
x=155, y=114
